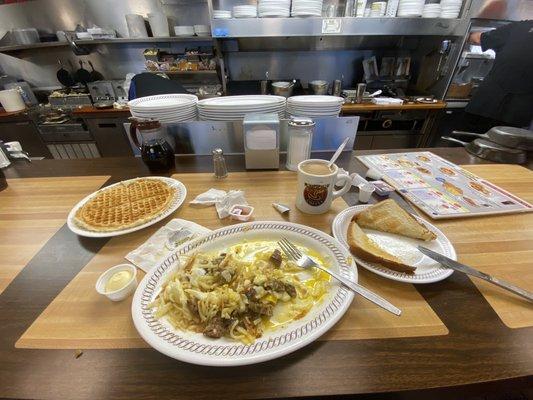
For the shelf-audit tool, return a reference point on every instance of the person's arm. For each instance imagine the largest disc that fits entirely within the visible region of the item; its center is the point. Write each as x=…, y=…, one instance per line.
x=496, y=38
x=475, y=38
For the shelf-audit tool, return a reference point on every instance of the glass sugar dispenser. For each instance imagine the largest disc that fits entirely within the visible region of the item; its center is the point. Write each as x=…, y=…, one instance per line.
x=300, y=132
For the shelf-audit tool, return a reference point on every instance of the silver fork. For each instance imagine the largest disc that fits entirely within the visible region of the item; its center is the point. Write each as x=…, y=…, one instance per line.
x=305, y=262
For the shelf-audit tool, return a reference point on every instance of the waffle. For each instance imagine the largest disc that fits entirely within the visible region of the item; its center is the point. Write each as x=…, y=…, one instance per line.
x=126, y=205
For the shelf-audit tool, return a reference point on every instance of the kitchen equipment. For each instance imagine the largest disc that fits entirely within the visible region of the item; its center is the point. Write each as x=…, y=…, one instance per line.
x=319, y=87
x=449, y=263
x=11, y=100
x=264, y=87
x=159, y=24
x=219, y=164
x=300, y=132
x=337, y=88
x=136, y=26
x=155, y=151
x=94, y=75
x=82, y=75
x=261, y=141
x=282, y=88
x=102, y=90
x=63, y=76
x=491, y=151
x=103, y=104
x=305, y=262
x=25, y=36
x=361, y=88
x=507, y=136
x=4, y=161
x=25, y=91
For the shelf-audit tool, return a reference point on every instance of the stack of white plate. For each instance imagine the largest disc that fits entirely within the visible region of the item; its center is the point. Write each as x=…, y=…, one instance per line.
x=231, y=108
x=201, y=30
x=246, y=11
x=221, y=14
x=166, y=108
x=184, y=30
x=314, y=106
x=274, y=8
x=431, y=10
x=306, y=8
x=410, y=8
x=450, y=8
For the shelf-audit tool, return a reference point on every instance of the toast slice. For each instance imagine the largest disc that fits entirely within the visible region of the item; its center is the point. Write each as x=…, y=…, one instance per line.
x=366, y=249
x=388, y=216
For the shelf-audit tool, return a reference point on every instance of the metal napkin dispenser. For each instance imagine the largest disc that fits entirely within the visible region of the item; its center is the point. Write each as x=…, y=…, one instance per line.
x=261, y=141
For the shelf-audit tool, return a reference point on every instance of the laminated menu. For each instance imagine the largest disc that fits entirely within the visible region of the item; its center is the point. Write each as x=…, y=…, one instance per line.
x=442, y=189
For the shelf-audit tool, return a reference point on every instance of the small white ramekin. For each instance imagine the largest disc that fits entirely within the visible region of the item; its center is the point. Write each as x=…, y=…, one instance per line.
x=123, y=292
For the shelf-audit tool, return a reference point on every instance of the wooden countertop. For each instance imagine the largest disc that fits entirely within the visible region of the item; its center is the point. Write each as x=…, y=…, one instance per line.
x=355, y=108
x=479, y=356
x=93, y=111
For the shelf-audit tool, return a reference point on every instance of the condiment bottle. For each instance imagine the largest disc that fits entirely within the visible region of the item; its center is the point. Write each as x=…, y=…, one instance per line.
x=219, y=164
x=300, y=131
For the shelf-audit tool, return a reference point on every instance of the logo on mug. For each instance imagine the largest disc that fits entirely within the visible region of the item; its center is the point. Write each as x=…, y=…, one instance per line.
x=315, y=195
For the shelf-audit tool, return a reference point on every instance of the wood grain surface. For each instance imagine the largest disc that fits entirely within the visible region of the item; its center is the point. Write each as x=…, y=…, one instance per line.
x=480, y=358
x=500, y=245
x=31, y=212
x=80, y=318
x=365, y=107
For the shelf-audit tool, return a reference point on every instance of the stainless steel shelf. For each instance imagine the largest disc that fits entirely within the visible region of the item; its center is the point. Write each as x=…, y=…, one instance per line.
x=282, y=27
x=117, y=41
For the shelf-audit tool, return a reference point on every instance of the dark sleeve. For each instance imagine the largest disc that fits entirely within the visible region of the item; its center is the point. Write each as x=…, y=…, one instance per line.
x=496, y=38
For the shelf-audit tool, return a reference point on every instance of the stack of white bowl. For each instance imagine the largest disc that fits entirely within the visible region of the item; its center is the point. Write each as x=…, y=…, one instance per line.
x=306, y=8
x=165, y=108
x=231, y=108
x=450, y=8
x=184, y=30
x=201, y=30
x=274, y=8
x=221, y=14
x=314, y=106
x=246, y=11
x=410, y=8
x=431, y=10
x=378, y=8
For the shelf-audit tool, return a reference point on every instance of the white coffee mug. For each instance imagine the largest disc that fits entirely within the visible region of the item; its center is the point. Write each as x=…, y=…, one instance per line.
x=316, y=192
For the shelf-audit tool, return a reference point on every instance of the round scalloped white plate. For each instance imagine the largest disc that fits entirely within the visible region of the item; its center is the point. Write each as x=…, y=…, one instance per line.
x=178, y=201
x=197, y=349
x=427, y=270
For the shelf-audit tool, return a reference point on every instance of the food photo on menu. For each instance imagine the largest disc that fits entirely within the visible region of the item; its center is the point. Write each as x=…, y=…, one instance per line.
x=266, y=199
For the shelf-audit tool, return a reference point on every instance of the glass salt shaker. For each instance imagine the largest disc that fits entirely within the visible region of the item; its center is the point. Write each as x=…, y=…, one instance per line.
x=300, y=132
x=219, y=164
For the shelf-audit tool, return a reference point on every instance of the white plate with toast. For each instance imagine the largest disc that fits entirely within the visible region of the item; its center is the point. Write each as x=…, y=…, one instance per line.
x=127, y=206
x=399, y=252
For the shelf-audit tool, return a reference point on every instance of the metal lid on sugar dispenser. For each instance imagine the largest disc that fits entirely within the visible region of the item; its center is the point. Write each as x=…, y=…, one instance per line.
x=301, y=121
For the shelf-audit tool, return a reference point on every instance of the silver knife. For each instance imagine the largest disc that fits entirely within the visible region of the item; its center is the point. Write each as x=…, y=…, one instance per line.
x=449, y=263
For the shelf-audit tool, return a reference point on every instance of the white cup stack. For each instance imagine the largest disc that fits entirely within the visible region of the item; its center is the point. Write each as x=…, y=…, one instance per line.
x=221, y=14
x=184, y=30
x=410, y=8
x=431, y=10
x=201, y=30
x=450, y=8
x=246, y=11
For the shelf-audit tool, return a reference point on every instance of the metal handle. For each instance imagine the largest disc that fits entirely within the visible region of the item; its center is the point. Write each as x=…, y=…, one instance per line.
x=506, y=285
x=367, y=294
x=467, y=134
x=454, y=140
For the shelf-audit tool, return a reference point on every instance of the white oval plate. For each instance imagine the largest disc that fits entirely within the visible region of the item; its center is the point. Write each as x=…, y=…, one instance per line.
x=427, y=270
x=163, y=101
x=195, y=348
x=178, y=201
